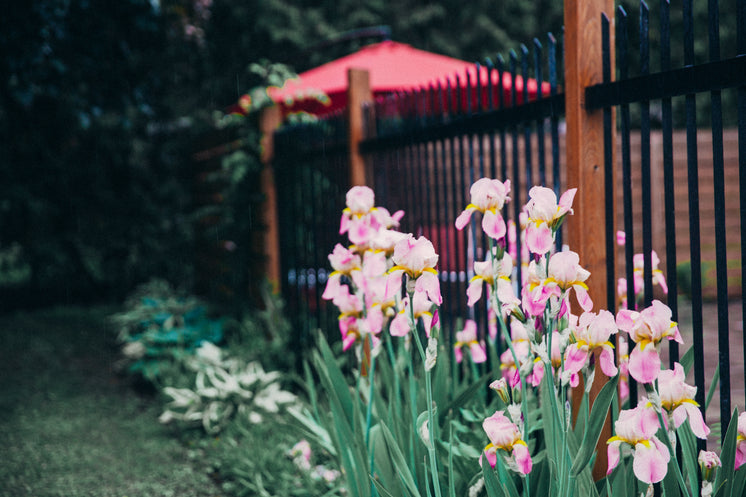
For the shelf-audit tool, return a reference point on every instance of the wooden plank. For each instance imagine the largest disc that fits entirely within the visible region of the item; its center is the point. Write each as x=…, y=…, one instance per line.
x=585, y=165
x=270, y=120
x=358, y=93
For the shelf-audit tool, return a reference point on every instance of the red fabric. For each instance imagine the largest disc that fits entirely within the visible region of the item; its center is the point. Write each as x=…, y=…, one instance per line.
x=393, y=67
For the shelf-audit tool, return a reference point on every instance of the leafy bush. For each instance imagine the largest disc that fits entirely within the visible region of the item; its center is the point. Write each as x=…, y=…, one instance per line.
x=220, y=399
x=268, y=459
x=161, y=330
x=262, y=334
x=225, y=388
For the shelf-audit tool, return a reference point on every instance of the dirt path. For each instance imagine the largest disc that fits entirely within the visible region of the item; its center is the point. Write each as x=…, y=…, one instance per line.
x=69, y=426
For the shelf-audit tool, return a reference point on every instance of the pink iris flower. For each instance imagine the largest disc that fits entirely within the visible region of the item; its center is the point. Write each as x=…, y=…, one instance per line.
x=536, y=291
x=566, y=273
x=677, y=398
x=637, y=428
x=500, y=386
x=638, y=261
x=488, y=196
x=344, y=261
x=361, y=220
x=384, y=219
x=621, y=290
x=371, y=277
x=623, y=357
x=385, y=240
x=522, y=347
x=592, y=332
x=708, y=460
x=505, y=435
x=509, y=303
x=647, y=329
x=351, y=311
x=539, y=238
x=360, y=201
x=555, y=359
x=417, y=258
x=741, y=441
x=484, y=273
x=468, y=338
x=380, y=305
x=513, y=240
x=301, y=454
x=543, y=207
x=422, y=308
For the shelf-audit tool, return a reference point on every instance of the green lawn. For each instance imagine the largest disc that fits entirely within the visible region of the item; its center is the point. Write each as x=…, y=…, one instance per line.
x=70, y=426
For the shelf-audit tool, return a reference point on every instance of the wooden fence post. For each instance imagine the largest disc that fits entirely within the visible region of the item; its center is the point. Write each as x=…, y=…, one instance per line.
x=358, y=93
x=585, y=164
x=269, y=121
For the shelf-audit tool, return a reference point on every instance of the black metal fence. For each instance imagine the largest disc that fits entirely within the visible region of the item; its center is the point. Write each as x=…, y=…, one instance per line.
x=311, y=180
x=426, y=147
x=708, y=79
x=505, y=120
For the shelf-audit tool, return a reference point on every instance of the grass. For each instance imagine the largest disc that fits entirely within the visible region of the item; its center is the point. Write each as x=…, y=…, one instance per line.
x=70, y=426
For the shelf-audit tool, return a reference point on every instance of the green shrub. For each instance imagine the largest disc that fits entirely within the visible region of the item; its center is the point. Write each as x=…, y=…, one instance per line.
x=225, y=388
x=266, y=459
x=160, y=330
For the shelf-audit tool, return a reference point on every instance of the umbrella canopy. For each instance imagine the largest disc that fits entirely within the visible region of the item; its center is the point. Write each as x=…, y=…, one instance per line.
x=393, y=67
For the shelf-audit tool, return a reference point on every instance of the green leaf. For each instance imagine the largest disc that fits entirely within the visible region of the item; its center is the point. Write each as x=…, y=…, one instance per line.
x=713, y=383
x=687, y=360
x=622, y=480
x=422, y=419
x=595, y=425
x=552, y=429
x=399, y=462
x=689, y=453
x=583, y=412
x=739, y=482
x=470, y=416
x=310, y=388
x=380, y=487
x=465, y=396
x=463, y=450
x=506, y=478
x=490, y=480
x=336, y=378
x=728, y=458
x=540, y=478
x=385, y=472
x=427, y=487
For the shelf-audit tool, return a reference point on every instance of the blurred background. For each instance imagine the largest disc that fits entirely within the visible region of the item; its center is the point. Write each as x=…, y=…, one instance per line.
x=104, y=104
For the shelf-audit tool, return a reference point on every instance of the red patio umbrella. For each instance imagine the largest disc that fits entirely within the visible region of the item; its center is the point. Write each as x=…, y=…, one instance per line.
x=393, y=67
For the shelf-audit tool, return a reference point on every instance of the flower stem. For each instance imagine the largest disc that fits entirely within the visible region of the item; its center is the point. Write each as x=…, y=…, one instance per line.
x=413, y=409
x=509, y=341
x=429, y=390
x=667, y=441
x=397, y=385
x=371, y=375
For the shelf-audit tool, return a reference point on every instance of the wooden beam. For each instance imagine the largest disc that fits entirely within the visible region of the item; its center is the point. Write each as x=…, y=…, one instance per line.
x=585, y=165
x=358, y=93
x=269, y=121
